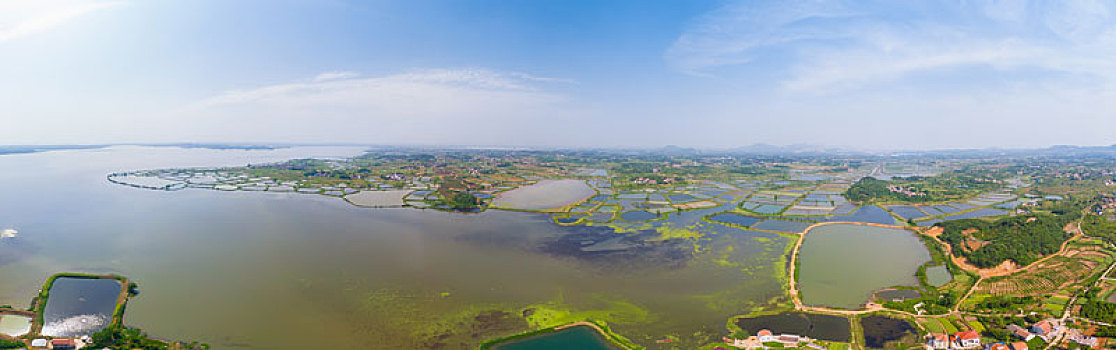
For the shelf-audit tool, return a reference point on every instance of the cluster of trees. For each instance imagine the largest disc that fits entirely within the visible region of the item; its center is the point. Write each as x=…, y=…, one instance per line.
x=1100, y=226
x=932, y=303
x=873, y=189
x=461, y=200
x=939, y=188
x=11, y=344
x=1105, y=332
x=1005, y=304
x=118, y=337
x=1022, y=239
x=868, y=188
x=1098, y=310
x=996, y=327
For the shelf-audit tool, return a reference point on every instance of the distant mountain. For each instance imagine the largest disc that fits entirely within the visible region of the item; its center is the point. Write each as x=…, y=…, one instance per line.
x=16, y=149
x=675, y=150
x=763, y=148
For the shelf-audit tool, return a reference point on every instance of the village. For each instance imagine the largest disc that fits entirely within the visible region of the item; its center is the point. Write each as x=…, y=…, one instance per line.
x=1048, y=331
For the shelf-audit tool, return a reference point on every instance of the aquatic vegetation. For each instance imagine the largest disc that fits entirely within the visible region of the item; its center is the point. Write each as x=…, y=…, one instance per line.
x=556, y=313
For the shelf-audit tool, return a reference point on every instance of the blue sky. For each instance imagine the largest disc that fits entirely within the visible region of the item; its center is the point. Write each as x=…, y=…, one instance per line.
x=861, y=74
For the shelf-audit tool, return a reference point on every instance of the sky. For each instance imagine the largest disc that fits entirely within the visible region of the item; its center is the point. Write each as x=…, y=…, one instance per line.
x=879, y=75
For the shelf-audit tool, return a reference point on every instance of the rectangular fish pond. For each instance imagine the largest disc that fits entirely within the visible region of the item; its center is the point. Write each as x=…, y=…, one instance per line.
x=79, y=305
x=735, y=219
x=822, y=327
x=14, y=325
x=881, y=330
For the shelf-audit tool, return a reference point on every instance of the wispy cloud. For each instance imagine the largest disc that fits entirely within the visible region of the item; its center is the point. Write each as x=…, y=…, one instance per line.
x=335, y=75
x=22, y=18
x=826, y=46
x=345, y=88
x=416, y=106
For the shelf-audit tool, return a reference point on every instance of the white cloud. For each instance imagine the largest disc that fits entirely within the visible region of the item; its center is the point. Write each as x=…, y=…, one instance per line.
x=425, y=106
x=831, y=46
x=335, y=75
x=22, y=18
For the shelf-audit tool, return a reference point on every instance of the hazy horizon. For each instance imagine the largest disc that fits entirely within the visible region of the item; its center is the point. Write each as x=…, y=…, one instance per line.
x=622, y=74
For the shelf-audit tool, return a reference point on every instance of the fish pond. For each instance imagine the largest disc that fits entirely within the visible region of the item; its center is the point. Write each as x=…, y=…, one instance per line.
x=735, y=219
x=840, y=265
x=823, y=327
x=14, y=325
x=638, y=216
x=80, y=306
x=546, y=194
x=938, y=275
x=897, y=294
x=572, y=338
x=880, y=330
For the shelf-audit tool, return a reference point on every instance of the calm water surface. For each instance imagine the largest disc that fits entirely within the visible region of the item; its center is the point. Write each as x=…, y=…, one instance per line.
x=256, y=270
x=841, y=264
x=80, y=306
x=574, y=338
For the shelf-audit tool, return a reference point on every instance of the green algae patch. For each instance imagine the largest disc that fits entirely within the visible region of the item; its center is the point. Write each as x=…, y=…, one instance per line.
x=555, y=314
x=666, y=233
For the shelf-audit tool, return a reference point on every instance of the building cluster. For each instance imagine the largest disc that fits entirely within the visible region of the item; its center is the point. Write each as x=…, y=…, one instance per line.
x=61, y=343
x=765, y=336
x=650, y=181
x=1105, y=202
x=959, y=340
x=1048, y=330
x=907, y=191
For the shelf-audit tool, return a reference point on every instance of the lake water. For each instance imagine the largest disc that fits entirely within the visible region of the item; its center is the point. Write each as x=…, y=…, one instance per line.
x=841, y=264
x=573, y=338
x=261, y=270
x=80, y=306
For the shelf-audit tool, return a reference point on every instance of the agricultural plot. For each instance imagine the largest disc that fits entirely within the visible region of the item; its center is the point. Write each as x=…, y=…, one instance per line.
x=944, y=209
x=962, y=206
x=979, y=213
x=1047, y=278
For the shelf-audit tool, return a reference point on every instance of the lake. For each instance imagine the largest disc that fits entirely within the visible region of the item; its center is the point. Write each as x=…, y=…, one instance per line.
x=841, y=264
x=281, y=270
